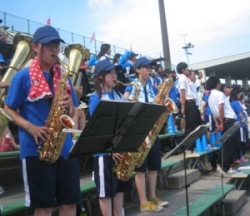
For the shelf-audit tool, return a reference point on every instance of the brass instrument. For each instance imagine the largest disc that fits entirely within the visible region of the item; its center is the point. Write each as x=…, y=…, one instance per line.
x=137, y=89
x=57, y=120
x=163, y=92
x=124, y=169
x=21, y=56
x=71, y=52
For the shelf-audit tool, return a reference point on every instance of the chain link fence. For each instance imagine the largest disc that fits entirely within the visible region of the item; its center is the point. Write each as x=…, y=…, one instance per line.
x=18, y=24
x=26, y=26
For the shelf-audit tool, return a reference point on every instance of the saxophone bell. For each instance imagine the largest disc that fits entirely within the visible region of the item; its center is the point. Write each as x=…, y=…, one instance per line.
x=67, y=121
x=171, y=105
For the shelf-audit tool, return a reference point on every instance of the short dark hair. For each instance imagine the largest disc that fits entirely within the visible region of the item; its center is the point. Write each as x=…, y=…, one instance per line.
x=212, y=82
x=157, y=66
x=233, y=95
x=181, y=66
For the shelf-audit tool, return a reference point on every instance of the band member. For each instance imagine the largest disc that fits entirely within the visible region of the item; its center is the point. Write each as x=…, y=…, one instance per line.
x=188, y=102
x=153, y=160
x=159, y=76
x=241, y=117
x=224, y=118
x=131, y=60
x=105, y=77
x=120, y=74
x=208, y=117
x=28, y=102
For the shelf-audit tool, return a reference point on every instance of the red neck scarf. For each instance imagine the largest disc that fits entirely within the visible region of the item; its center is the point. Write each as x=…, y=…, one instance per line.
x=39, y=86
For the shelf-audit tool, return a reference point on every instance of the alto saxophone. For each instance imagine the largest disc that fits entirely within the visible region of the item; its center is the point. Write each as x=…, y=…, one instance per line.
x=124, y=168
x=163, y=93
x=57, y=120
x=21, y=56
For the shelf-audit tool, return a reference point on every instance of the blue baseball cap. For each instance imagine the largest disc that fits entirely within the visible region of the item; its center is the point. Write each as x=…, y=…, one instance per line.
x=143, y=61
x=105, y=65
x=46, y=34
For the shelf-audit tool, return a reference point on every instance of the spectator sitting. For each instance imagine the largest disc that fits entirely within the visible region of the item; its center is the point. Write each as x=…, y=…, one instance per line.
x=8, y=142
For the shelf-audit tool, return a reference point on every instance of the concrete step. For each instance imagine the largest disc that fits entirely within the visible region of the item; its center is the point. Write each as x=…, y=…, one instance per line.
x=233, y=201
x=177, y=180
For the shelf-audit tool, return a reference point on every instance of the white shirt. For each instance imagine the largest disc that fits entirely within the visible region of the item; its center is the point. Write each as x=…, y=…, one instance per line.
x=183, y=84
x=194, y=92
x=198, y=83
x=106, y=56
x=215, y=99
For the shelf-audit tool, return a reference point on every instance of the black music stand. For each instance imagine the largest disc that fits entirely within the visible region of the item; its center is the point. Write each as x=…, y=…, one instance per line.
x=117, y=127
x=222, y=140
x=188, y=140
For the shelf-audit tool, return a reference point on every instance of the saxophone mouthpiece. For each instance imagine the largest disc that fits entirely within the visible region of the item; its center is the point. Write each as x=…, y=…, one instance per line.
x=116, y=82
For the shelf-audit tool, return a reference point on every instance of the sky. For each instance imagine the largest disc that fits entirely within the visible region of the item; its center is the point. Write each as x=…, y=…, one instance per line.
x=216, y=28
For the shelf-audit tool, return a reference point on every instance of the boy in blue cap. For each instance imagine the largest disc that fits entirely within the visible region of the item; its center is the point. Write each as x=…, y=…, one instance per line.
x=28, y=102
x=105, y=77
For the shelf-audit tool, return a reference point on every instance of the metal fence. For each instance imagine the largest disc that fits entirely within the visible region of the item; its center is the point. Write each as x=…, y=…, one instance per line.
x=18, y=24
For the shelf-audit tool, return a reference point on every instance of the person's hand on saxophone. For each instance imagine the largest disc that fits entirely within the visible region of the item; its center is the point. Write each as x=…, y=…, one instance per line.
x=67, y=104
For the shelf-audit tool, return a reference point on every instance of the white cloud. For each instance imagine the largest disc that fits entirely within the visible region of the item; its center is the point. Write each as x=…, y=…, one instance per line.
x=137, y=22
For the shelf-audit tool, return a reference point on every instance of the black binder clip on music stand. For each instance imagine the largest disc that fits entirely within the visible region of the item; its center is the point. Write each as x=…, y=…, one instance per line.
x=222, y=140
x=117, y=127
x=188, y=140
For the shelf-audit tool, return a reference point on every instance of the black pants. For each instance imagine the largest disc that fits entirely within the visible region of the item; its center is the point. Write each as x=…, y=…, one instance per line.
x=229, y=147
x=193, y=120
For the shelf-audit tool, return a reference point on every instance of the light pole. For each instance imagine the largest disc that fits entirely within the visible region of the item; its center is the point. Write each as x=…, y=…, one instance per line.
x=164, y=35
x=187, y=47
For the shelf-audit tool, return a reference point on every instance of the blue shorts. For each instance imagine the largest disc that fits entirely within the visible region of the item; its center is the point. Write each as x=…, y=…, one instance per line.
x=153, y=160
x=209, y=119
x=48, y=185
x=102, y=172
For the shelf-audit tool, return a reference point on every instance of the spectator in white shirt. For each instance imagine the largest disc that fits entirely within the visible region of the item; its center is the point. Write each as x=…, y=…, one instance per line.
x=105, y=52
x=224, y=117
x=188, y=102
x=193, y=88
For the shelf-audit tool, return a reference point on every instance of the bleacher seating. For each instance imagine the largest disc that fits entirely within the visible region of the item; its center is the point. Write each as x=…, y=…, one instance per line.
x=205, y=201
